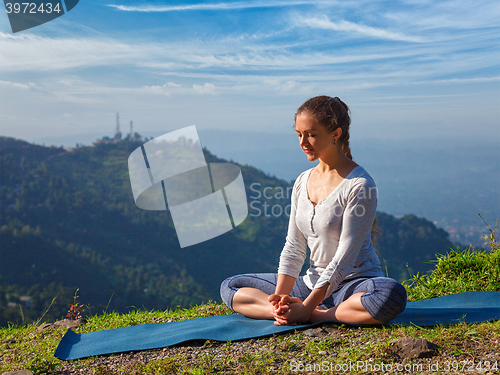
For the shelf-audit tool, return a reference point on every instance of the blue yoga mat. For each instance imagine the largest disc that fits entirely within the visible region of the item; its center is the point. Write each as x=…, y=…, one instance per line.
x=472, y=307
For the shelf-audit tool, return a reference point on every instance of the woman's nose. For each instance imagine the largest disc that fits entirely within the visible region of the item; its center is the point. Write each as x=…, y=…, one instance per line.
x=302, y=140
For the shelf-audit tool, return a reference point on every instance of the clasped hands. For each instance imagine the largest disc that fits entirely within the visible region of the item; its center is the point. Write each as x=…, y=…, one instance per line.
x=288, y=310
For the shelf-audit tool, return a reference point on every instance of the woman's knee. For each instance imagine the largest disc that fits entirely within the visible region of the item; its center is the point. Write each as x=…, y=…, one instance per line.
x=262, y=281
x=387, y=299
x=227, y=292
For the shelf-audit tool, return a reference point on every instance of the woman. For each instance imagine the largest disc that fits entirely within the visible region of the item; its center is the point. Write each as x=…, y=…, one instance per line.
x=333, y=211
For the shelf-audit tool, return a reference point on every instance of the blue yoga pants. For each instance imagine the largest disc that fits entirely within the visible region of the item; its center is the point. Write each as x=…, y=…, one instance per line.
x=384, y=297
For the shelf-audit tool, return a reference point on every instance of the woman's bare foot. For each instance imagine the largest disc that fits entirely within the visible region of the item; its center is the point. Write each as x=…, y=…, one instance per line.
x=349, y=311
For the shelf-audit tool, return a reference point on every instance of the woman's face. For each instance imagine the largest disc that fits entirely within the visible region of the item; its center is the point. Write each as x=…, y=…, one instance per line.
x=313, y=137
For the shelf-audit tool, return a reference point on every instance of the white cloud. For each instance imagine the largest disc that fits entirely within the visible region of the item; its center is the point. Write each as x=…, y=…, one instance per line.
x=350, y=27
x=171, y=84
x=156, y=89
x=460, y=80
x=215, y=6
x=207, y=88
x=165, y=89
x=30, y=52
x=240, y=58
x=159, y=65
x=447, y=15
x=16, y=85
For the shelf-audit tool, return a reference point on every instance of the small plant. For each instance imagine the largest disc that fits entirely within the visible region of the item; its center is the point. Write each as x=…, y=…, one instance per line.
x=490, y=240
x=75, y=309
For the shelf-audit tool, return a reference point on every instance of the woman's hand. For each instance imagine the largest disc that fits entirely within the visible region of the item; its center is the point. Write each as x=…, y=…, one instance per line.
x=277, y=306
x=279, y=303
x=289, y=310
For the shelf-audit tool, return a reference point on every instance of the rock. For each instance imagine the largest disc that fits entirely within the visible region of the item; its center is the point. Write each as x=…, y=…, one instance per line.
x=408, y=347
x=18, y=372
x=70, y=323
x=322, y=352
x=43, y=327
x=332, y=331
x=62, y=323
x=317, y=332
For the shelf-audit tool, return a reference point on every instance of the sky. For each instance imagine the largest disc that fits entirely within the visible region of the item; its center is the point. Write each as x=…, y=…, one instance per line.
x=407, y=69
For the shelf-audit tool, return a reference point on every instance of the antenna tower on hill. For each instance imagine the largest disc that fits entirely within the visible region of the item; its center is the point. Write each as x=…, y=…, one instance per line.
x=118, y=134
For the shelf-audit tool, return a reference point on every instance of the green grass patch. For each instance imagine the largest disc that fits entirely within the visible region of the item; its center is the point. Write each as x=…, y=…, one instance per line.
x=459, y=271
x=23, y=347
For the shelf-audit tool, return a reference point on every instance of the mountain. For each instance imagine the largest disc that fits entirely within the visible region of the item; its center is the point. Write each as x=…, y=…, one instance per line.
x=68, y=222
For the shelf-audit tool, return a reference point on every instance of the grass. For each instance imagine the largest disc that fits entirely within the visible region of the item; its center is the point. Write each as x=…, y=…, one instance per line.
x=23, y=347
x=457, y=271
x=460, y=271
x=462, y=347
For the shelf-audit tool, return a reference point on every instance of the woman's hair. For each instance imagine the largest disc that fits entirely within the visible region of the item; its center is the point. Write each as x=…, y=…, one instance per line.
x=332, y=113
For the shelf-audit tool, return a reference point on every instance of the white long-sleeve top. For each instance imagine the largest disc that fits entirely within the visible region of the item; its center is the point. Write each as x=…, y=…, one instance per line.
x=337, y=231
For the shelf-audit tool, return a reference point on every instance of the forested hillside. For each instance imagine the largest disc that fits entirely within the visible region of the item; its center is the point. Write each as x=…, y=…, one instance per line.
x=68, y=221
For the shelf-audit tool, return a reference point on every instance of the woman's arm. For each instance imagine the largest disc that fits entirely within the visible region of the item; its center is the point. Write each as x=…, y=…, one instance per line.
x=294, y=251
x=292, y=256
x=285, y=284
x=283, y=288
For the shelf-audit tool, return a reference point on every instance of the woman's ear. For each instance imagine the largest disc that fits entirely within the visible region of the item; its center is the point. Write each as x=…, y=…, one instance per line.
x=336, y=134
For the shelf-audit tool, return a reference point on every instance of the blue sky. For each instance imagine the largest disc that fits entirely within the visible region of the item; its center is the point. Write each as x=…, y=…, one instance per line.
x=407, y=69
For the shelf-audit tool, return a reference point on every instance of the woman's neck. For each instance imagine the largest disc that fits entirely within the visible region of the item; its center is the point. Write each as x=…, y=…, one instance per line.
x=336, y=163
